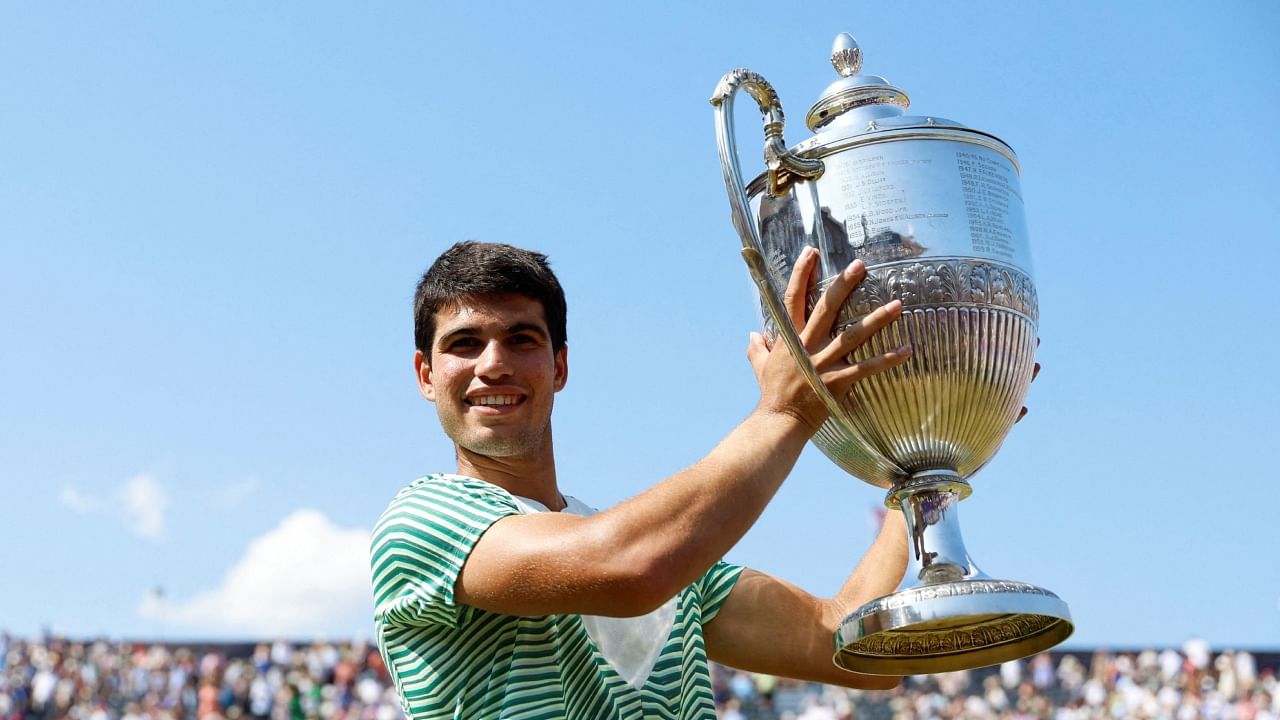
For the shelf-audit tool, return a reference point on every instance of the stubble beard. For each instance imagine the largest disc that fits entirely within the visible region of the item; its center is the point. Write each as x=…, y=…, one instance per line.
x=528, y=441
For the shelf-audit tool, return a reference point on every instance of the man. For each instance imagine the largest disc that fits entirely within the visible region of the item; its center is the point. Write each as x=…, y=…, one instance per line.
x=498, y=596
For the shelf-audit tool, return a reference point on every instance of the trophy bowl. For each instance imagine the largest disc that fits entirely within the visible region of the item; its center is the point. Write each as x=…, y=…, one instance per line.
x=934, y=209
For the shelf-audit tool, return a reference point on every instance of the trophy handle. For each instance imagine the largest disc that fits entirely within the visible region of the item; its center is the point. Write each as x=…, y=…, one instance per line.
x=784, y=169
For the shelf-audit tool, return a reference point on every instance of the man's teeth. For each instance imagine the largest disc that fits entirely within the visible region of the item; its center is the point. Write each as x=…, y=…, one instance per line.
x=496, y=400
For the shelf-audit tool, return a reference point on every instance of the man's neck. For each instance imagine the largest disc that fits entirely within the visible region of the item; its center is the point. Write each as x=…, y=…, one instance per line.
x=532, y=476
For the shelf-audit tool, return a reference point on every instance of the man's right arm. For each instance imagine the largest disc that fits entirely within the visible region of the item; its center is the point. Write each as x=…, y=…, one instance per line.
x=631, y=558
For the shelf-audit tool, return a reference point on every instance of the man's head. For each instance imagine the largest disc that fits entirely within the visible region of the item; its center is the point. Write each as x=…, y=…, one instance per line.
x=490, y=330
x=473, y=269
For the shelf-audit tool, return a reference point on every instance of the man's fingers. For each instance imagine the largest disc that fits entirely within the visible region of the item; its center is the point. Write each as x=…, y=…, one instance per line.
x=852, y=337
x=828, y=308
x=840, y=380
x=797, y=294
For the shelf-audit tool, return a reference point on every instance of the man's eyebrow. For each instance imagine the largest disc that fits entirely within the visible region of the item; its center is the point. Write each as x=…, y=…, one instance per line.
x=534, y=328
x=464, y=331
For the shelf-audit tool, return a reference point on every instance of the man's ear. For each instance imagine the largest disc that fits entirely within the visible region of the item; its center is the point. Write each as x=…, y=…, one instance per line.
x=422, y=368
x=562, y=368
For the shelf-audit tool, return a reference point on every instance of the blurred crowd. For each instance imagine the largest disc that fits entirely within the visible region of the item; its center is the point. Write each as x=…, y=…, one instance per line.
x=53, y=678
x=1157, y=685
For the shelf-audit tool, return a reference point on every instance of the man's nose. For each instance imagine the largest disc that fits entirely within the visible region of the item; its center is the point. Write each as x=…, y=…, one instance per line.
x=493, y=361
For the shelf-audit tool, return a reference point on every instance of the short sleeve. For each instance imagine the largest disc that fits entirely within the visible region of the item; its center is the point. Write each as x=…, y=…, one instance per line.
x=421, y=542
x=716, y=584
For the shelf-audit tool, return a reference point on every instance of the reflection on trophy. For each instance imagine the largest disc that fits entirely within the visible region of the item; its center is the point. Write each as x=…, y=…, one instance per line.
x=934, y=209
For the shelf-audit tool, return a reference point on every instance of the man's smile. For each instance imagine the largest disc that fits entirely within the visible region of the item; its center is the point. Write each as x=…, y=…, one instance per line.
x=495, y=402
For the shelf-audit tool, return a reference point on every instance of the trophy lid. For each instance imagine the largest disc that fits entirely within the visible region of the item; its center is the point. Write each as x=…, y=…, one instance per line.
x=859, y=100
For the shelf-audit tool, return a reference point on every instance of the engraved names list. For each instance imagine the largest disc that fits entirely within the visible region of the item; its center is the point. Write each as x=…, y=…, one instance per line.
x=988, y=186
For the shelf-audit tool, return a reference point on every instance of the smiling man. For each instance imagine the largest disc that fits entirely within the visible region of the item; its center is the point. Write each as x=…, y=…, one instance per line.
x=498, y=596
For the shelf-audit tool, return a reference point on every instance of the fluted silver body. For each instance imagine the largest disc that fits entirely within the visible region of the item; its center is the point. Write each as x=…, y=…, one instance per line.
x=969, y=313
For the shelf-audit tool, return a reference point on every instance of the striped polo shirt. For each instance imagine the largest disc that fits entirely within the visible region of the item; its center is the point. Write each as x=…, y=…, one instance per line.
x=454, y=661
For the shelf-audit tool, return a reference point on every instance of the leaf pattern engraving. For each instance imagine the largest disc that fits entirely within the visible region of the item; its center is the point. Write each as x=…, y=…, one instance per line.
x=945, y=282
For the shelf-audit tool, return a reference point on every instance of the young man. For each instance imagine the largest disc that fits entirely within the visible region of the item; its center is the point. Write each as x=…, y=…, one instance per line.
x=499, y=597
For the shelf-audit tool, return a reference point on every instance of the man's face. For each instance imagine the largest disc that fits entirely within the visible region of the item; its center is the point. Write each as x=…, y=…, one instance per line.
x=493, y=375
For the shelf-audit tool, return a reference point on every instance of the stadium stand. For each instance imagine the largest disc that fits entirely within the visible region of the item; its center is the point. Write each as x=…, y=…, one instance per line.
x=52, y=678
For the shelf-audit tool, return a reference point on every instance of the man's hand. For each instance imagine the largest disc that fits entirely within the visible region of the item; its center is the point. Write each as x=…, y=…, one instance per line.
x=783, y=389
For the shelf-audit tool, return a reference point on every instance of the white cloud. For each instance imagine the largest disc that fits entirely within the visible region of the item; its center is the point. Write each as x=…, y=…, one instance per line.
x=78, y=502
x=144, y=502
x=304, y=578
x=141, y=502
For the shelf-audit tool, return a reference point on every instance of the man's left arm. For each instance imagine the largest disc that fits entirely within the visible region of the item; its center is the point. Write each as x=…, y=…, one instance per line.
x=768, y=625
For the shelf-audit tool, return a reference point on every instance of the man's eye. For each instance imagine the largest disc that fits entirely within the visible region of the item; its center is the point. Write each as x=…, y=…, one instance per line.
x=464, y=343
x=523, y=339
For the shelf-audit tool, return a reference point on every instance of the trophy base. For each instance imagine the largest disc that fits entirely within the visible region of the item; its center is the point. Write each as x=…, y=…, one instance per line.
x=948, y=626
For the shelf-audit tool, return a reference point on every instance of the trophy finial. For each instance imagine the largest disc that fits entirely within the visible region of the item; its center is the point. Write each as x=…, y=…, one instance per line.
x=846, y=56
x=854, y=98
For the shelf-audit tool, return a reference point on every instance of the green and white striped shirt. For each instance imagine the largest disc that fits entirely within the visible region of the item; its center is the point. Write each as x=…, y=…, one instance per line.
x=455, y=661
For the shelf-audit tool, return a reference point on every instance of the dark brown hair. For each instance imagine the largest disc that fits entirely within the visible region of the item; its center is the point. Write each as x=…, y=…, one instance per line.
x=471, y=269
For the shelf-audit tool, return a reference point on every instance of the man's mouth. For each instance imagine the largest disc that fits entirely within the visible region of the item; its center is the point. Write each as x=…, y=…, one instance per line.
x=495, y=400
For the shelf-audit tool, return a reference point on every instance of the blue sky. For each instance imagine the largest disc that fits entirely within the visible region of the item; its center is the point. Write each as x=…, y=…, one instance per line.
x=212, y=218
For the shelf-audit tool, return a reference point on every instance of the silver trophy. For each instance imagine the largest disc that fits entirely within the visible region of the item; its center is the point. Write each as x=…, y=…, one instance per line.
x=934, y=209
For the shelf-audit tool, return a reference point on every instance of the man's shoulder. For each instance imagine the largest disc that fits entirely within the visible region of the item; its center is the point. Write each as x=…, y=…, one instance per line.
x=444, y=481
x=446, y=494
x=442, y=514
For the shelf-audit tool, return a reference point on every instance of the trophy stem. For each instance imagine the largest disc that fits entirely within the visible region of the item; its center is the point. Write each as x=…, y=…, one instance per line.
x=929, y=501
x=947, y=614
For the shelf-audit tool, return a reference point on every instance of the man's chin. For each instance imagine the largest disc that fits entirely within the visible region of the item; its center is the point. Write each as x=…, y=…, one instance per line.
x=500, y=446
